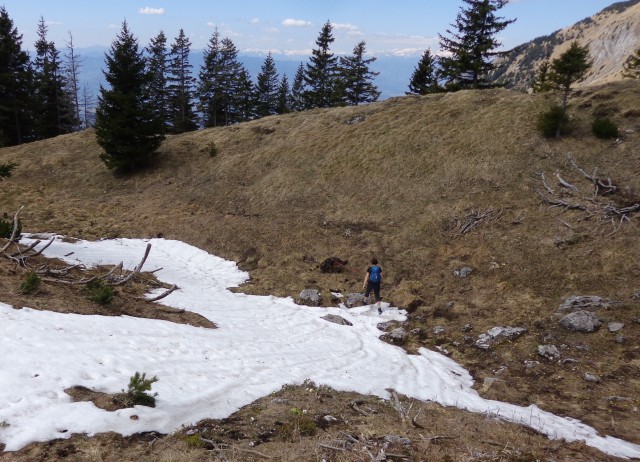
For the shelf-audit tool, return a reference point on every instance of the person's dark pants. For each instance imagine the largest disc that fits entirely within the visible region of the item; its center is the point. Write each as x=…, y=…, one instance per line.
x=375, y=286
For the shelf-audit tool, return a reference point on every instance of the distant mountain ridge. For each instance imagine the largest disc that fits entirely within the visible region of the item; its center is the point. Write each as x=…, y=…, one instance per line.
x=612, y=35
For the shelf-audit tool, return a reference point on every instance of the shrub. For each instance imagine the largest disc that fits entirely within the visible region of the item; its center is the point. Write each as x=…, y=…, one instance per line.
x=139, y=385
x=604, y=128
x=99, y=292
x=6, y=169
x=6, y=226
x=554, y=122
x=212, y=149
x=30, y=283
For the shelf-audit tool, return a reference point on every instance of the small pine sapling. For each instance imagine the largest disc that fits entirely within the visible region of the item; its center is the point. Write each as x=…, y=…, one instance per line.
x=6, y=169
x=604, y=128
x=139, y=385
x=99, y=292
x=6, y=226
x=30, y=283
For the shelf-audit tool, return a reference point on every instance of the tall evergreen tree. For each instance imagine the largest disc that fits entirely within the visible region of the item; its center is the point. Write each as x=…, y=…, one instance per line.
x=231, y=69
x=284, y=96
x=73, y=63
x=157, y=67
x=632, y=65
x=209, y=88
x=320, y=73
x=298, y=90
x=424, y=79
x=54, y=112
x=181, y=87
x=15, y=84
x=357, y=78
x=245, y=98
x=267, y=88
x=472, y=43
x=126, y=126
x=569, y=68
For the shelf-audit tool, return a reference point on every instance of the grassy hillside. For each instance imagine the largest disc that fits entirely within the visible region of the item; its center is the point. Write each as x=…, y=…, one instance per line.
x=399, y=180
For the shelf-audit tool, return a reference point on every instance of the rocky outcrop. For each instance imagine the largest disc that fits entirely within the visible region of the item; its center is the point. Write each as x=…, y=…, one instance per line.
x=496, y=335
x=581, y=321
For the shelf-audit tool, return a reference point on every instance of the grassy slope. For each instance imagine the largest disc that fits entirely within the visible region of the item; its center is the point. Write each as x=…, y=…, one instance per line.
x=390, y=179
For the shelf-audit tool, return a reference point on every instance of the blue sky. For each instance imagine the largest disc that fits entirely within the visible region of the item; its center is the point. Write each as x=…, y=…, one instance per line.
x=284, y=25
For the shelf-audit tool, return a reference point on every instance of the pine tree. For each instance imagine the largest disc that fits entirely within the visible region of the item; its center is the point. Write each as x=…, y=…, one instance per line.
x=126, y=126
x=15, y=84
x=157, y=67
x=181, y=87
x=569, y=68
x=542, y=82
x=424, y=79
x=245, y=98
x=284, y=96
x=267, y=88
x=320, y=73
x=72, y=66
x=209, y=89
x=54, y=112
x=471, y=46
x=231, y=70
x=358, y=78
x=298, y=90
x=632, y=65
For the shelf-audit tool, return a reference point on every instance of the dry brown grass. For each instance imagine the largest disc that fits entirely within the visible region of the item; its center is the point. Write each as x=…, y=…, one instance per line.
x=389, y=179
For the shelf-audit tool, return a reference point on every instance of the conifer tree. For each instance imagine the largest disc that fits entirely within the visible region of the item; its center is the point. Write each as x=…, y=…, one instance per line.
x=73, y=63
x=298, y=90
x=209, y=88
x=542, y=81
x=357, y=78
x=181, y=87
x=320, y=73
x=571, y=67
x=267, y=88
x=231, y=70
x=54, y=112
x=157, y=67
x=424, y=79
x=632, y=65
x=15, y=83
x=472, y=43
x=245, y=99
x=126, y=126
x=284, y=96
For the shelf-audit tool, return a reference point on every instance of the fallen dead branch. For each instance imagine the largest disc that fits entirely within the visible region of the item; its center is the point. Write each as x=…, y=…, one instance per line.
x=473, y=219
x=164, y=294
x=135, y=271
x=14, y=233
x=354, y=405
x=438, y=438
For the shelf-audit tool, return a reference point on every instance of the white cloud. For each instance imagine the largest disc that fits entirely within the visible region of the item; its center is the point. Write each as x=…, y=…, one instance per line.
x=149, y=10
x=344, y=26
x=289, y=22
x=54, y=23
x=271, y=30
x=112, y=26
x=255, y=21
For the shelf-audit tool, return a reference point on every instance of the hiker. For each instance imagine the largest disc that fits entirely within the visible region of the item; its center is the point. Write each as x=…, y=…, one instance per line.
x=372, y=281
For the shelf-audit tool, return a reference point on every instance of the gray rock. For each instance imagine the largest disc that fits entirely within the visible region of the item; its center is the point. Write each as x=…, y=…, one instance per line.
x=615, y=326
x=417, y=331
x=636, y=296
x=530, y=364
x=467, y=328
x=310, y=297
x=498, y=334
x=354, y=300
x=581, y=321
x=394, y=439
x=621, y=339
x=397, y=336
x=438, y=330
x=548, y=351
x=337, y=319
x=591, y=377
x=463, y=272
x=585, y=303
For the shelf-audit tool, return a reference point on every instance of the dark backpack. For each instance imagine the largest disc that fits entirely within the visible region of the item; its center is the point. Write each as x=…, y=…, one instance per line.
x=375, y=274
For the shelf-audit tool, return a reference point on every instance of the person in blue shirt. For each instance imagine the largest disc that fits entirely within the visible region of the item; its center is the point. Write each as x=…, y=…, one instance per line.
x=372, y=281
